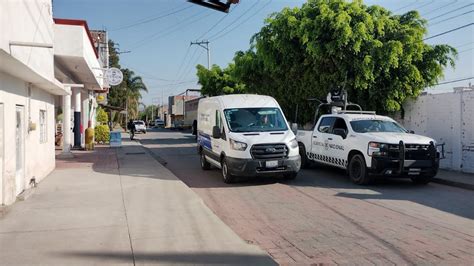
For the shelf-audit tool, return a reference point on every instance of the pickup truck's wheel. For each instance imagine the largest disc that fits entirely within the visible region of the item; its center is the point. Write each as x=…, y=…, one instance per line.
x=358, y=170
x=228, y=178
x=205, y=165
x=422, y=180
x=305, y=162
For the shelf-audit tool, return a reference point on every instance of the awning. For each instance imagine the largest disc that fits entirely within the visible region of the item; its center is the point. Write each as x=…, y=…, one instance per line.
x=18, y=69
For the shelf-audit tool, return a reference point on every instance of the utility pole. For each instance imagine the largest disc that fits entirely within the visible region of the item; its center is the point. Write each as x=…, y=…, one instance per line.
x=205, y=45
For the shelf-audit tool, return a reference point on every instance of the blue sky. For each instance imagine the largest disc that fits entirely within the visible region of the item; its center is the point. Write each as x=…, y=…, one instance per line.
x=160, y=48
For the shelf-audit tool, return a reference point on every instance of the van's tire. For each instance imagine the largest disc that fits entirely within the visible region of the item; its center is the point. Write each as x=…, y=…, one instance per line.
x=305, y=162
x=357, y=170
x=228, y=178
x=205, y=165
x=422, y=179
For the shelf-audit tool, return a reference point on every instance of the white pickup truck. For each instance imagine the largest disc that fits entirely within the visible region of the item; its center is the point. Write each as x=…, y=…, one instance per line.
x=367, y=145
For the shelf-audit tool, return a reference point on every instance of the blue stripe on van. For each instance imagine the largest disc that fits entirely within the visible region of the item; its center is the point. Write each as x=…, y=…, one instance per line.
x=204, y=140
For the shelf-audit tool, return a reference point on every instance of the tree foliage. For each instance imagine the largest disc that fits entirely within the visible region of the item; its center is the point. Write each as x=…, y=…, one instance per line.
x=217, y=81
x=302, y=53
x=149, y=113
x=128, y=93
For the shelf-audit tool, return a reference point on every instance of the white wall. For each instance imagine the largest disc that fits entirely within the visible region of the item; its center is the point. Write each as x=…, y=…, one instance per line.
x=73, y=41
x=28, y=21
x=449, y=119
x=39, y=157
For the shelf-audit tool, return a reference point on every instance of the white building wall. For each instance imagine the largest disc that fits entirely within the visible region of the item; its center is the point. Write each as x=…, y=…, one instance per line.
x=28, y=21
x=449, y=119
x=39, y=157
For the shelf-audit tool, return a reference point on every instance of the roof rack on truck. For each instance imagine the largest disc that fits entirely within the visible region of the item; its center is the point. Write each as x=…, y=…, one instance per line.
x=356, y=112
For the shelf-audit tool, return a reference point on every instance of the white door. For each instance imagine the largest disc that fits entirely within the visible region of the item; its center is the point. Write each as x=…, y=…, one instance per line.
x=320, y=140
x=338, y=145
x=20, y=150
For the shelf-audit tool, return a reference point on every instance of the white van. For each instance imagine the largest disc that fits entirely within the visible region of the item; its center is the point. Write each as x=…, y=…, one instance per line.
x=246, y=135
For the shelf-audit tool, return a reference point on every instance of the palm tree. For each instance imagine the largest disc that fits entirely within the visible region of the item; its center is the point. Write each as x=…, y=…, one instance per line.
x=134, y=85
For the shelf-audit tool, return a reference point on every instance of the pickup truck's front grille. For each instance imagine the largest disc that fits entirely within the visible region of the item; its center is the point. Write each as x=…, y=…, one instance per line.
x=412, y=151
x=269, y=151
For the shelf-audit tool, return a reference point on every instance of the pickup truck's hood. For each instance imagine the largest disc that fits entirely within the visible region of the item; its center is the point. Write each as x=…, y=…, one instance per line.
x=394, y=138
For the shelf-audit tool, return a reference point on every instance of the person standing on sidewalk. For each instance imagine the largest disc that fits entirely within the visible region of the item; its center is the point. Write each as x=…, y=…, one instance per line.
x=131, y=127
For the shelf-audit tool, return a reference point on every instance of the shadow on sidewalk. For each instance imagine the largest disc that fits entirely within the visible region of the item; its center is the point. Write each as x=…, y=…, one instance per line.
x=176, y=257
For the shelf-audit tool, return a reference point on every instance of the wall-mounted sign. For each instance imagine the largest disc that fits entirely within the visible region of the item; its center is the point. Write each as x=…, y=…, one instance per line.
x=114, y=76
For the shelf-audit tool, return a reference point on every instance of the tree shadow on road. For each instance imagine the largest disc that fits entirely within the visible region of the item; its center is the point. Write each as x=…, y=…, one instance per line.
x=444, y=198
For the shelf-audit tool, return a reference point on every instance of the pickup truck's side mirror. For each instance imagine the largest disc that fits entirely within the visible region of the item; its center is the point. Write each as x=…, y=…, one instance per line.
x=340, y=132
x=294, y=127
x=411, y=131
x=216, y=132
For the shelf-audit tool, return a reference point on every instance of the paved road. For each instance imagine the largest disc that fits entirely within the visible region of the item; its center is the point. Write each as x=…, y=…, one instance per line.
x=321, y=217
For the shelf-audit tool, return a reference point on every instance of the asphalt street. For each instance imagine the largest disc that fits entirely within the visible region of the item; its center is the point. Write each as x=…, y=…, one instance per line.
x=321, y=217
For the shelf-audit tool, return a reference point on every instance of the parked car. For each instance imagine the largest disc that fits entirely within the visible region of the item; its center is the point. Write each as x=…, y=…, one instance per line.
x=246, y=136
x=140, y=126
x=159, y=123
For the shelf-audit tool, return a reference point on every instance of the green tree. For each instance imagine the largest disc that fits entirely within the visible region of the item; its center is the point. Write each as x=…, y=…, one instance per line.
x=217, y=81
x=305, y=52
x=150, y=112
x=128, y=93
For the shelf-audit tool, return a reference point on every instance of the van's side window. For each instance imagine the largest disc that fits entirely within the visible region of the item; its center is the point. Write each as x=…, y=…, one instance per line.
x=220, y=124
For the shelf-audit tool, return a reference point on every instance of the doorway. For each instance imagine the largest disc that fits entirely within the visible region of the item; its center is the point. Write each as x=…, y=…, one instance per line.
x=20, y=150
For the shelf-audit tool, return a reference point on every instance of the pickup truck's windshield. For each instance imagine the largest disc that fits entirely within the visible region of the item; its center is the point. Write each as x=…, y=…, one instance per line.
x=363, y=126
x=255, y=119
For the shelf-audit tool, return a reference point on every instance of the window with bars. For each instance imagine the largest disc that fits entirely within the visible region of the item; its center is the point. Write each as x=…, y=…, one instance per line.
x=43, y=129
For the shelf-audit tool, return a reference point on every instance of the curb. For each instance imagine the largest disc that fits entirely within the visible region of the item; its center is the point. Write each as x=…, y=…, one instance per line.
x=453, y=183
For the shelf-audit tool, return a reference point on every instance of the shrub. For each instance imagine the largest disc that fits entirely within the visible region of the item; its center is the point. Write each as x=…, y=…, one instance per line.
x=102, y=117
x=102, y=134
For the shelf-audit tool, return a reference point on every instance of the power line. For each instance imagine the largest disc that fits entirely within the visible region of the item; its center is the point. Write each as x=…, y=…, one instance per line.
x=446, y=32
x=194, y=64
x=449, y=12
x=168, y=31
x=181, y=76
x=235, y=20
x=423, y=5
x=217, y=23
x=465, y=44
x=138, y=43
x=405, y=6
x=441, y=7
x=453, y=81
x=235, y=27
x=151, y=19
x=453, y=17
x=467, y=50
x=182, y=61
x=148, y=75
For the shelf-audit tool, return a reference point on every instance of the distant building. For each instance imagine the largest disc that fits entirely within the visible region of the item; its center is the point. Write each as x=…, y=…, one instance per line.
x=176, y=110
x=191, y=107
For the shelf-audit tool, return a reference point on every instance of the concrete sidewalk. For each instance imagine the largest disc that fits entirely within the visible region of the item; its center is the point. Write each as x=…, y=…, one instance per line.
x=118, y=206
x=456, y=179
